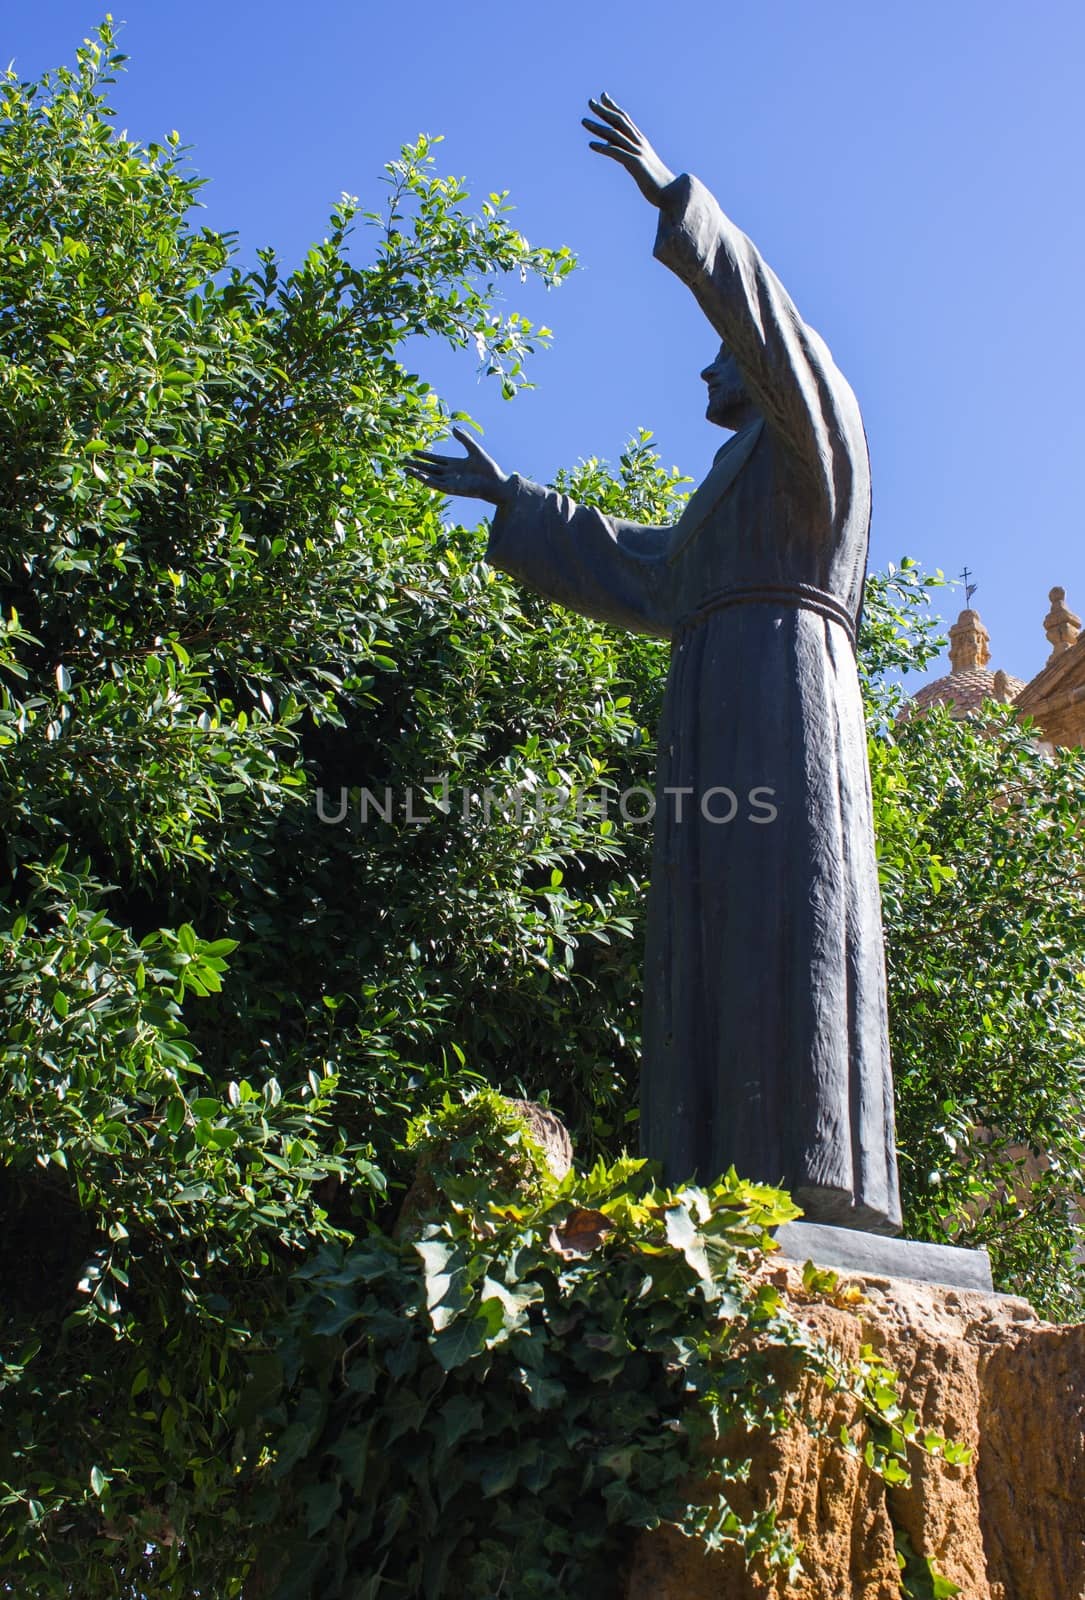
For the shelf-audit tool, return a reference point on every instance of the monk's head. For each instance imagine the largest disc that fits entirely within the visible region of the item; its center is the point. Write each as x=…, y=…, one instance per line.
x=728, y=403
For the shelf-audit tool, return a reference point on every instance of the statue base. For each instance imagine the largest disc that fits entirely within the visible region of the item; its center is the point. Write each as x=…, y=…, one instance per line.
x=878, y=1255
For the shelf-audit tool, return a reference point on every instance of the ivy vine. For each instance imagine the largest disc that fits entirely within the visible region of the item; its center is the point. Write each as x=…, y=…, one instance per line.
x=490, y=1403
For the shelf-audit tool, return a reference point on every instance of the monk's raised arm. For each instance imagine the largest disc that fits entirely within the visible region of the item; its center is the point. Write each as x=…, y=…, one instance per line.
x=787, y=369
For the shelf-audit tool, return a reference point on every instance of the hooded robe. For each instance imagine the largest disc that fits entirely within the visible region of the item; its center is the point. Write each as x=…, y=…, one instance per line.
x=765, y=1020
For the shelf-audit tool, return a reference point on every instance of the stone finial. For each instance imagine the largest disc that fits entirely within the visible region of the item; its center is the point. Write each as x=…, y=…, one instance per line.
x=1000, y=689
x=969, y=642
x=1060, y=624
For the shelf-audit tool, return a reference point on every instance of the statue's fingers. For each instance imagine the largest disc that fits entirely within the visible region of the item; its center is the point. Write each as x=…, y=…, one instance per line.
x=610, y=134
x=625, y=158
x=612, y=106
x=471, y=445
x=612, y=113
x=431, y=457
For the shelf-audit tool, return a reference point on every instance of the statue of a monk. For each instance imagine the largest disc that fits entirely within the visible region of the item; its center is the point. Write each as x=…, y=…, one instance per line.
x=765, y=1026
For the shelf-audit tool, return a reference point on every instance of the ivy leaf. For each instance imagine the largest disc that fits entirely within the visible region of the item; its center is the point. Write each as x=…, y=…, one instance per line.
x=344, y=1310
x=457, y=1419
x=321, y=1502
x=448, y=1291
x=499, y=1472
x=544, y=1392
x=682, y=1234
x=458, y=1344
x=351, y=1450
x=581, y=1233
x=513, y=1304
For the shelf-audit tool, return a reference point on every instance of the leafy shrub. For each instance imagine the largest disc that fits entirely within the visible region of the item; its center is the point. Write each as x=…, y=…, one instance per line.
x=493, y=1407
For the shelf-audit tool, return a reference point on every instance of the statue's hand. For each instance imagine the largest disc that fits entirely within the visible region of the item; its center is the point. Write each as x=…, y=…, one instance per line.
x=476, y=476
x=623, y=141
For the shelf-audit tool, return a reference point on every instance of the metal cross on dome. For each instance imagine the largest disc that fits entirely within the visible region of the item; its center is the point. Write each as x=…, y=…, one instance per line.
x=969, y=588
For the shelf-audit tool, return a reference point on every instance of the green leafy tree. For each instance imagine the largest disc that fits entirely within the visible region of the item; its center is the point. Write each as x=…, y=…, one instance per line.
x=983, y=869
x=217, y=590
x=981, y=852
x=222, y=604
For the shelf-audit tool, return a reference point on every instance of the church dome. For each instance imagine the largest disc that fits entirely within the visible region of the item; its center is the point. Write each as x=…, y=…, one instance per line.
x=970, y=682
x=966, y=691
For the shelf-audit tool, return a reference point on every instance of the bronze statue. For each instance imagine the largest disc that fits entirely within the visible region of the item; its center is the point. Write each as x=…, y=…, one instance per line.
x=765, y=1026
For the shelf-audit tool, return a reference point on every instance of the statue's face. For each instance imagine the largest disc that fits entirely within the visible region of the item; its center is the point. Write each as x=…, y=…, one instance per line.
x=727, y=395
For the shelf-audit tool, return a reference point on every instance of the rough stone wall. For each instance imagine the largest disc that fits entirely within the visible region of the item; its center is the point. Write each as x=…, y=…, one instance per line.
x=981, y=1369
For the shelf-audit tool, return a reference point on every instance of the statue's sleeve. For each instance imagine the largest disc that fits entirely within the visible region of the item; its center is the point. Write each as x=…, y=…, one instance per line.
x=788, y=371
x=609, y=570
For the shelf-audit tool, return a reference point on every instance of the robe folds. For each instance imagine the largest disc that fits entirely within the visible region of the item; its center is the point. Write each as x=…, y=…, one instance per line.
x=765, y=1017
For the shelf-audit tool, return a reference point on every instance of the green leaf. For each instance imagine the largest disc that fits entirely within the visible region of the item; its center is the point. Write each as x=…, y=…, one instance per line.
x=458, y=1419
x=499, y=1472
x=321, y=1502
x=544, y=1393
x=459, y=1343
x=683, y=1235
x=511, y=1304
x=448, y=1291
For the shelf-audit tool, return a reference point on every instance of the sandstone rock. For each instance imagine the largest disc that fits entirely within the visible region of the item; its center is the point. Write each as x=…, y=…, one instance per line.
x=550, y=1132
x=545, y=1128
x=978, y=1368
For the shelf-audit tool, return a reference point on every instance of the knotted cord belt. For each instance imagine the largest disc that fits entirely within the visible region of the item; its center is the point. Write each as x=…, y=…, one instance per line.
x=803, y=595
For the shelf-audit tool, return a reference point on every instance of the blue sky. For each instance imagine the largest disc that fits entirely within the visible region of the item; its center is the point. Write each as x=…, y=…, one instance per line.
x=913, y=172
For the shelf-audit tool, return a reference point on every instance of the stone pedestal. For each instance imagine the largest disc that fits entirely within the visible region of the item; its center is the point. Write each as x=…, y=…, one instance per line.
x=977, y=1367
x=851, y=1251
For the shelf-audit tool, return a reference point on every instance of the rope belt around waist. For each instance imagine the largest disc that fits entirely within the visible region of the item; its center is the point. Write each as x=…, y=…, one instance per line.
x=803, y=595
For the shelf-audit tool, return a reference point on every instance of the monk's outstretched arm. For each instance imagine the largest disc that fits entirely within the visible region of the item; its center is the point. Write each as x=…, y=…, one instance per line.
x=607, y=569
